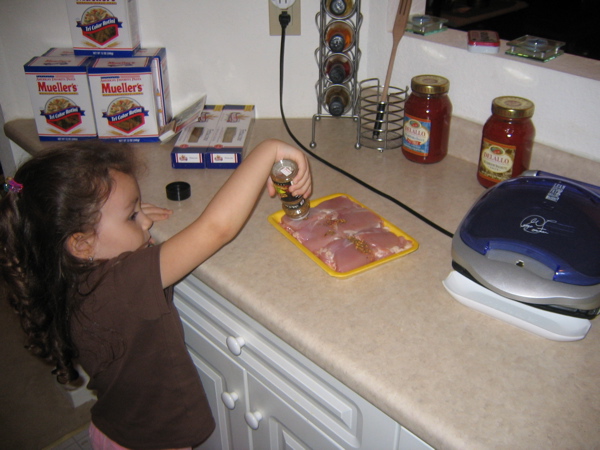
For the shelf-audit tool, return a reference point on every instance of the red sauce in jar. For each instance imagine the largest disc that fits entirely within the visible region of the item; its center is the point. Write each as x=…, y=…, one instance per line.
x=427, y=114
x=507, y=141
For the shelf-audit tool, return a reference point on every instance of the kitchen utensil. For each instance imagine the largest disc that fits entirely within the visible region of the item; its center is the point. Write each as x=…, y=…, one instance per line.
x=533, y=240
x=397, y=33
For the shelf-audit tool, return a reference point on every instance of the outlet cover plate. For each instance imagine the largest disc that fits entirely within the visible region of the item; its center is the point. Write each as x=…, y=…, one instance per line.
x=293, y=28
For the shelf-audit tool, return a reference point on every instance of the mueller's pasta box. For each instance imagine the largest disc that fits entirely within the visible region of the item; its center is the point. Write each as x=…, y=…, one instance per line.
x=161, y=82
x=104, y=27
x=195, y=139
x=60, y=96
x=60, y=51
x=228, y=144
x=123, y=92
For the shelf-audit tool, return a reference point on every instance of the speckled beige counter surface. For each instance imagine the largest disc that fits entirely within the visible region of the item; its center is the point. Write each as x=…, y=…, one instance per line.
x=453, y=376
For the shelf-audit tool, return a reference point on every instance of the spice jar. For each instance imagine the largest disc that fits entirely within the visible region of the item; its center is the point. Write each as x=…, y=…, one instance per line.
x=282, y=174
x=507, y=140
x=337, y=99
x=338, y=68
x=427, y=114
x=339, y=36
x=339, y=8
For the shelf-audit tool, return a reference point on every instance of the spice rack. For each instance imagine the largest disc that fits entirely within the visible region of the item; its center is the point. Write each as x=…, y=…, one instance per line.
x=337, y=57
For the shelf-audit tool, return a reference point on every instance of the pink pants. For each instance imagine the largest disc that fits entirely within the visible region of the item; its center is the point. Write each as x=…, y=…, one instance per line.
x=100, y=441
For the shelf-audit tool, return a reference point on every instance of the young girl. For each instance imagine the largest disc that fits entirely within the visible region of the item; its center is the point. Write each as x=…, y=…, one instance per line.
x=91, y=288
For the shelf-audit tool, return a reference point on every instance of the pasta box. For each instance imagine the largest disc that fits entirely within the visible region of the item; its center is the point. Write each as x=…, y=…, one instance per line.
x=60, y=51
x=104, y=27
x=123, y=91
x=195, y=139
x=160, y=72
x=227, y=146
x=60, y=96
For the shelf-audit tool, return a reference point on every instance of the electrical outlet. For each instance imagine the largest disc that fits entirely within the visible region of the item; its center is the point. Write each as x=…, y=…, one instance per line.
x=283, y=4
x=276, y=7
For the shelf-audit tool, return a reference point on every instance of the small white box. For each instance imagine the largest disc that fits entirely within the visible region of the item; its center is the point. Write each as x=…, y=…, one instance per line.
x=195, y=139
x=228, y=144
x=104, y=27
x=123, y=91
x=483, y=41
x=60, y=96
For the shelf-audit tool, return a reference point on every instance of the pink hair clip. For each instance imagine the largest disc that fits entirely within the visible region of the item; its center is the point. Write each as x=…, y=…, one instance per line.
x=12, y=186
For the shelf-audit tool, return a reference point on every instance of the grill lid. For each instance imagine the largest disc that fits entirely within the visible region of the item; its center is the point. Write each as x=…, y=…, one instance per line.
x=534, y=239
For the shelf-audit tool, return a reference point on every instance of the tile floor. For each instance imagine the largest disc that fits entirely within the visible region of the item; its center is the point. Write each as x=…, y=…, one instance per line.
x=79, y=440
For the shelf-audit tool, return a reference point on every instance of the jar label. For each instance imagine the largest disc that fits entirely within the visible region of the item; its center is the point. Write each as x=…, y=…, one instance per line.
x=296, y=204
x=283, y=189
x=416, y=135
x=496, y=161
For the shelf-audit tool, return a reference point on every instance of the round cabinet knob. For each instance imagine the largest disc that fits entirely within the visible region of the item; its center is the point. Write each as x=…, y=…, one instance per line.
x=229, y=399
x=235, y=344
x=253, y=419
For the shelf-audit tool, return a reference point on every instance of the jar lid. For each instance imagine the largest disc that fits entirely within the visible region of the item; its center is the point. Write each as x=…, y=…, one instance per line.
x=512, y=107
x=178, y=191
x=430, y=84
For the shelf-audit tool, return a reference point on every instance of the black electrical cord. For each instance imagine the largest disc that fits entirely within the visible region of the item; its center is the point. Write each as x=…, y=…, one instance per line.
x=284, y=20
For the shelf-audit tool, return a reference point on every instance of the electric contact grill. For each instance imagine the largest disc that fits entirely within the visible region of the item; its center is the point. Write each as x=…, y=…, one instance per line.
x=528, y=252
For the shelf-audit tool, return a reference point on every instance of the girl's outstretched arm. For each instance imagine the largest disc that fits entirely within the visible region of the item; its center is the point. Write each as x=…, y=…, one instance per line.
x=229, y=209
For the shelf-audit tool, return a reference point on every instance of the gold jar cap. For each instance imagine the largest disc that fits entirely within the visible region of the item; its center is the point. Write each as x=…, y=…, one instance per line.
x=512, y=107
x=430, y=84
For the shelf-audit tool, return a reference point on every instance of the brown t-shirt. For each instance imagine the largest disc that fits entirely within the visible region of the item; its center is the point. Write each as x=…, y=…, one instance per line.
x=131, y=344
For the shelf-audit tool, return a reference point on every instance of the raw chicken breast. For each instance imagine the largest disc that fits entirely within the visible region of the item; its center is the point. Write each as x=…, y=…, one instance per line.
x=344, y=235
x=337, y=204
x=345, y=254
x=351, y=221
x=314, y=232
x=383, y=242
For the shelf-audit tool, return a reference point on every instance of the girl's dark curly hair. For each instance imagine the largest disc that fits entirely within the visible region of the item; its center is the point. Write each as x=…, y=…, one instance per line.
x=63, y=190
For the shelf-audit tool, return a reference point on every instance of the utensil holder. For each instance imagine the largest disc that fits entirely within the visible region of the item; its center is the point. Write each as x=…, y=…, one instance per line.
x=374, y=130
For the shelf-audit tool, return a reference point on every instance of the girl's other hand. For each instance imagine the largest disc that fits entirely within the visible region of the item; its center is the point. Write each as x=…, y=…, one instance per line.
x=156, y=213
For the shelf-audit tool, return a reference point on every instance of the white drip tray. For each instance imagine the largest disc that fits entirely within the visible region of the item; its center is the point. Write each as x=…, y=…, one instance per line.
x=557, y=327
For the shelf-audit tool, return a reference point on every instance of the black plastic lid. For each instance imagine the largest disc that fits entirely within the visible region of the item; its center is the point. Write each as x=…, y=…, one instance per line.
x=178, y=190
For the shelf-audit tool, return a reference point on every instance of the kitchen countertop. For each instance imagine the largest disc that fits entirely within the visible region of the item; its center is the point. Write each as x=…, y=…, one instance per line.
x=451, y=375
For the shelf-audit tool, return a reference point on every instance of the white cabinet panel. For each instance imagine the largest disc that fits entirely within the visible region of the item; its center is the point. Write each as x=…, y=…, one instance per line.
x=254, y=347
x=278, y=398
x=281, y=426
x=409, y=441
x=220, y=375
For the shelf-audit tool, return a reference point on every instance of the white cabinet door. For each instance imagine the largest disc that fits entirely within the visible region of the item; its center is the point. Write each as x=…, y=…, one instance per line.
x=276, y=425
x=225, y=385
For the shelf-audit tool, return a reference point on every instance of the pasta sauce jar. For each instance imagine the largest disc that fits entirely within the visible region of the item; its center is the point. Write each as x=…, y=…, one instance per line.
x=427, y=114
x=507, y=141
